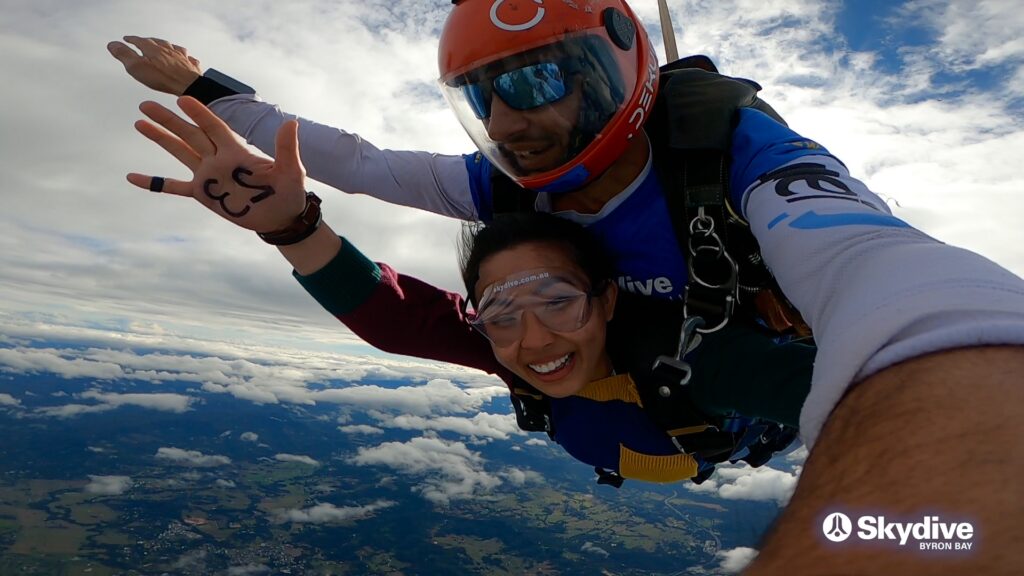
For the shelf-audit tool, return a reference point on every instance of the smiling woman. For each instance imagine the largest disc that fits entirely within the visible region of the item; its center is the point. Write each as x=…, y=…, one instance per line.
x=543, y=304
x=543, y=295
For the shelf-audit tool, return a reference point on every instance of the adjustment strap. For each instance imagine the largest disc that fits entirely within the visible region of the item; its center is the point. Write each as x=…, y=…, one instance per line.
x=609, y=477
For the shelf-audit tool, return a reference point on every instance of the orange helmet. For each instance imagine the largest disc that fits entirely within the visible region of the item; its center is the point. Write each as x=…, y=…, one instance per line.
x=574, y=79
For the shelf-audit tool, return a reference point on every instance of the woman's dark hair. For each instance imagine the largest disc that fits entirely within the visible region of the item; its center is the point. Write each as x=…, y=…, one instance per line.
x=480, y=241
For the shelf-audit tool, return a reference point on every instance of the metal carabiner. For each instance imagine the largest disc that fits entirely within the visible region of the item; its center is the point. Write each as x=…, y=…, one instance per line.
x=702, y=223
x=689, y=339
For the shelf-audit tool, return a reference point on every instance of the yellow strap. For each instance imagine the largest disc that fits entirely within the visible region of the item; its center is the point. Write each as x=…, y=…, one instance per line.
x=618, y=387
x=648, y=468
x=688, y=430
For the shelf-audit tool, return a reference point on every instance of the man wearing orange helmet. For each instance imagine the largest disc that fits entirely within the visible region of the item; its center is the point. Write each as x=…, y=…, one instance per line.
x=559, y=98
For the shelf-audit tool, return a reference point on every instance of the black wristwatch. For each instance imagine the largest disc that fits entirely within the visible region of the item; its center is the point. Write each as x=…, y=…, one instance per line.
x=213, y=85
x=307, y=222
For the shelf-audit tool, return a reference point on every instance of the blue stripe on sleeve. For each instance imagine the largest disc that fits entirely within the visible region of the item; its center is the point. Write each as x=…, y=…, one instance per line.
x=811, y=220
x=760, y=145
x=480, y=169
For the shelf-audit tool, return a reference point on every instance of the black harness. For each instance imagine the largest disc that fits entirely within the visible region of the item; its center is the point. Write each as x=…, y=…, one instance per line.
x=690, y=136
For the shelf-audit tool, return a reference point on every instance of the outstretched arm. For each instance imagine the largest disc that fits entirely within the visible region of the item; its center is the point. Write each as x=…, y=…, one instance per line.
x=938, y=435
x=391, y=311
x=436, y=183
x=916, y=404
x=162, y=66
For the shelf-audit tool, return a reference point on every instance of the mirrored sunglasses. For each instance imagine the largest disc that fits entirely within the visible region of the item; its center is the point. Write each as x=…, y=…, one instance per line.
x=521, y=89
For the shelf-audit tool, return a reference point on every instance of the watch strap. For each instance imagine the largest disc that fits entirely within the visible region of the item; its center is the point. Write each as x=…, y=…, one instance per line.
x=304, y=225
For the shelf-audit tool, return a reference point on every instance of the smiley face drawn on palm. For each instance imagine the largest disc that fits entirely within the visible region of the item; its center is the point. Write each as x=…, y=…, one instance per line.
x=266, y=191
x=250, y=190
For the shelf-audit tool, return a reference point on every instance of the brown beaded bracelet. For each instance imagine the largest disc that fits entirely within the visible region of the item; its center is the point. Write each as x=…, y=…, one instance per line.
x=301, y=228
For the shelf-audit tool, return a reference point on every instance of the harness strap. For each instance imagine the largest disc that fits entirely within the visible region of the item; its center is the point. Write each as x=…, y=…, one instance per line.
x=507, y=197
x=608, y=477
x=533, y=411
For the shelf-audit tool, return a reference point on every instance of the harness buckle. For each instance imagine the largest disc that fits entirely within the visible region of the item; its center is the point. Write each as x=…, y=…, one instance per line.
x=689, y=339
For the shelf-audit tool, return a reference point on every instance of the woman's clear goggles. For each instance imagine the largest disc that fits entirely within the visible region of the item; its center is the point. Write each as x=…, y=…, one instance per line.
x=561, y=307
x=521, y=89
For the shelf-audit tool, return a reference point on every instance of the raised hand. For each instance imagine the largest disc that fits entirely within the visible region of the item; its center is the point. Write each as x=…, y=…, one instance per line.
x=163, y=66
x=251, y=191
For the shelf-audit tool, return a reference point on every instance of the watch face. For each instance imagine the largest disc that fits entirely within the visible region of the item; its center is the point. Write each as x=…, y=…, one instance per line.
x=229, y=82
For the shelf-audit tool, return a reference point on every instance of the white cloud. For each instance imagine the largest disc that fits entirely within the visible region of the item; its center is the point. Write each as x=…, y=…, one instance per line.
x=482, y=425
x=296, y=458
x=190, y=457
x=326, y=513
x=797, y=456
x=590, y=548
x=434, y=397
x=360, y=429
x=519, y=477
x=108, y=485
x=50, y=361
x=450, y=470
x=249, y=436
x=225, y=483
x=176, y=403
x=985, y=33
x=736, y=559
x=249, y=570
x=742, y=482
x=8, y=400
x=536, y=442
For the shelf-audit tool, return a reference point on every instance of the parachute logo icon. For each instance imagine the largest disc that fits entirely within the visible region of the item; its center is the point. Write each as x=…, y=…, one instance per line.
x=837, y=527
x=497, y=21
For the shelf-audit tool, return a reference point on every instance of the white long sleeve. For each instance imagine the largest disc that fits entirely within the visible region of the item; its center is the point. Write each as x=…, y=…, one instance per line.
x=874, y=290
x=434, y=182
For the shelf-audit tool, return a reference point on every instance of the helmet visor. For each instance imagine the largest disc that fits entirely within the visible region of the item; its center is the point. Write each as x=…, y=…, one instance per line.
x=532, y=113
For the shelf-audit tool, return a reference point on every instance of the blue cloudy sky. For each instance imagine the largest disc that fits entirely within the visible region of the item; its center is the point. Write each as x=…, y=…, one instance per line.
x=922, y=99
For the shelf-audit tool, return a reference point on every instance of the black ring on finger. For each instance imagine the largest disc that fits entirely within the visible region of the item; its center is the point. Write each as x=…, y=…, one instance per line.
x=156, y=184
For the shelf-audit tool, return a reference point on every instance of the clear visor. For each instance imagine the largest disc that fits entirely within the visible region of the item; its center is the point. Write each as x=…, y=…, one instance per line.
x=534, y=112
x=559, y=300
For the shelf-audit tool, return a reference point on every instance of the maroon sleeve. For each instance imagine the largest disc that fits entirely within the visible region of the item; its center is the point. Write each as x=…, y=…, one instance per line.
x=405, y=315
